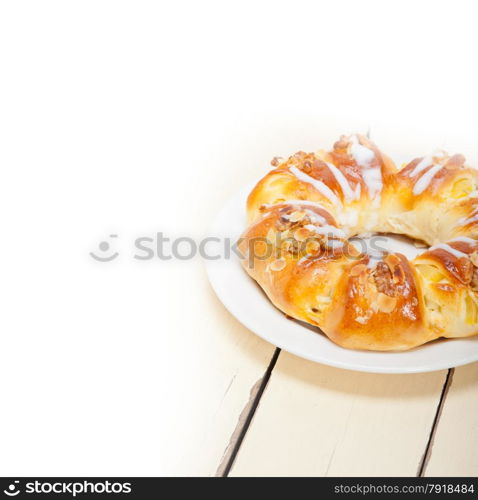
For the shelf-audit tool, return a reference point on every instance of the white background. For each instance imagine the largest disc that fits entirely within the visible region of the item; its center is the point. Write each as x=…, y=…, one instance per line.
x=136, y=117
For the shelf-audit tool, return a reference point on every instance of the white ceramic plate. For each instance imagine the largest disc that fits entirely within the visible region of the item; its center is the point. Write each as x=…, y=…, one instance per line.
x=248, y=303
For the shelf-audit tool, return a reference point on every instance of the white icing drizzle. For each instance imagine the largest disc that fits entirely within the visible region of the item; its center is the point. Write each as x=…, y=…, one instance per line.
x=327, y=229
x=349, y=194
x=319, y=185
x=465, y=239
x=449, y=249
x=463, y=221
x=373, y=259
x=424, y=163
x=373, y=179
x=335, y=243
x=425, y=179
x=315, y=218
x=372, y=175
x=318, y=219
x=473, y=194
x=467, y=220
x=362, y=155
x=295, y=202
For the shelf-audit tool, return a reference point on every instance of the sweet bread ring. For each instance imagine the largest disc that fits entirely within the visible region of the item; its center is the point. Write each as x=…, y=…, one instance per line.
x=303, y=213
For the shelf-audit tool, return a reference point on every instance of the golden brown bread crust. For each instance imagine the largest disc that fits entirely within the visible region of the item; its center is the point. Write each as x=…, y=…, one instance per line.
x=297, y=247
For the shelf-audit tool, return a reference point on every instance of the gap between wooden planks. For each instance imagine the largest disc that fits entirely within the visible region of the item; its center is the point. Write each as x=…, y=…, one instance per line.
x=310, y=419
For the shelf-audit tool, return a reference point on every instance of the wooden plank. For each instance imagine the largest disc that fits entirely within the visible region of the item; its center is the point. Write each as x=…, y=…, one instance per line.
x=219, y=364
x=453, y=451
x=321, y=421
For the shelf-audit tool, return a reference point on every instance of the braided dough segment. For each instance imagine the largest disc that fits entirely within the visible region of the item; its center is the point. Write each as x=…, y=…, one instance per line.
x=379, y=308
x=297, y=271
x=448, y=276
x=352, y=192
